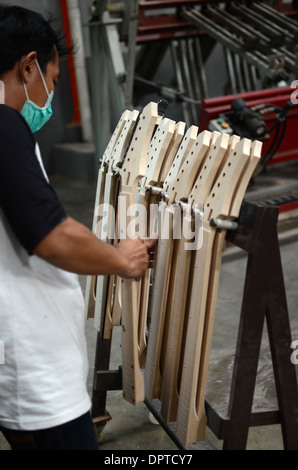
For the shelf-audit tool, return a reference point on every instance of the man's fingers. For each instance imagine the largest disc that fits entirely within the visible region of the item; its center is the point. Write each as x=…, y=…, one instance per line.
x=150, y=242
x=141, y=256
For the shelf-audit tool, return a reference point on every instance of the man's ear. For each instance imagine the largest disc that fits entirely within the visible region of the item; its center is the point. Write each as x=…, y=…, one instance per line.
x=27, y=66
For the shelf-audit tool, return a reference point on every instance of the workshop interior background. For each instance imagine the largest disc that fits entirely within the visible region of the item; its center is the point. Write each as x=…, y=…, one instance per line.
x=68, y=153
x=56, y=131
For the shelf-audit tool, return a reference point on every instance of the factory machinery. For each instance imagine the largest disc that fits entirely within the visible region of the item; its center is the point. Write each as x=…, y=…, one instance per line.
x=254, y=46
x=243, y=138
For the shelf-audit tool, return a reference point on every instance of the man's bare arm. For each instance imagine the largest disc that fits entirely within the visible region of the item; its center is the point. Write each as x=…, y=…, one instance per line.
x=73, y=247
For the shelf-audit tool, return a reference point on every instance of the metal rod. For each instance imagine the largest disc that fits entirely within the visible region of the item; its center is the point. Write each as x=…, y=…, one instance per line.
x=227, y=39
x=278, y=17
x=266, y=27
x=237, y=27
x=201, y=68
x=230, y=70
x=223, y=224
x=131, y=58
x=179, y=78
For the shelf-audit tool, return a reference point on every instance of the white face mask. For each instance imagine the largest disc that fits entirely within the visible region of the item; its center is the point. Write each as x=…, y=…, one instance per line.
x=35, y=116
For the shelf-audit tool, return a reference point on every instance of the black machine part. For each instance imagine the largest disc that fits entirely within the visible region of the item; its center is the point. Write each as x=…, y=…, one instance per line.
x=249, y=122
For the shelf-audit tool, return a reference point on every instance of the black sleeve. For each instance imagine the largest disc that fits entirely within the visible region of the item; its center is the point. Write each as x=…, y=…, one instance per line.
x=28, y=201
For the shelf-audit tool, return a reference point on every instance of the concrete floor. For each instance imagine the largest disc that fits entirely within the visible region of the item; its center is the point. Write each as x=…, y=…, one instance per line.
x=130, y=427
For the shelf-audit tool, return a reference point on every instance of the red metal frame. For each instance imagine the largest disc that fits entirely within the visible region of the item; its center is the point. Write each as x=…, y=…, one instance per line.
x=211, y=108
x=156, y=25
x=161, y=4
x=159, y=25
x=288, y=149
x=287, y=8
x=290, y=206
x=164, y=27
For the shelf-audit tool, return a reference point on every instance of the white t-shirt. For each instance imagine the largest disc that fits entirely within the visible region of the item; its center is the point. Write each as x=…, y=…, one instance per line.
x=43, y=381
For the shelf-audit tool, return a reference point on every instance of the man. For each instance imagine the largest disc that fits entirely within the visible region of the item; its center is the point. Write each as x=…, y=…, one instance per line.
x=44, y=404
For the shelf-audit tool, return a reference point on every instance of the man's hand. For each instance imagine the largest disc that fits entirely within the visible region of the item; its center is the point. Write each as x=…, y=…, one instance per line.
x=139, y=255
x=73, y=247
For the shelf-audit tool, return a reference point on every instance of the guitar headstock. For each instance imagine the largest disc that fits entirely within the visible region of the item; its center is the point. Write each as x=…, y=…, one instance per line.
x=123, y=140
x=215, y=155
x=158, y=150
x=219, y=201
x=182, y=153
x=134, y=165
x=106, y=158
x=190, y=168
x=253, y=160
x=172, y=151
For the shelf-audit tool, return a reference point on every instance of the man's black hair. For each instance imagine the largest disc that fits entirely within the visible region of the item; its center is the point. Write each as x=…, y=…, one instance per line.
x=23, y=31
